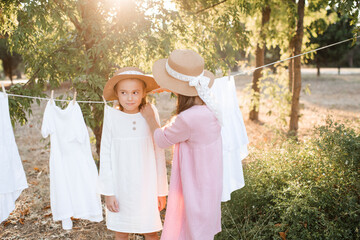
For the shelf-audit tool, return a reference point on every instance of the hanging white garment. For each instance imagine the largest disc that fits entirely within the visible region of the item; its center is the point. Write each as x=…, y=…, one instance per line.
x=133, y=170
x=12, y=175
x=73, y=173
x=233, y=134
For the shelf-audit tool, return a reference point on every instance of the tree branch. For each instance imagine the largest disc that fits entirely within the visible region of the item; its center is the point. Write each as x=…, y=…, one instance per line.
x=34, y=76
x=72, y=18
x=212, y=6
x=31, y=80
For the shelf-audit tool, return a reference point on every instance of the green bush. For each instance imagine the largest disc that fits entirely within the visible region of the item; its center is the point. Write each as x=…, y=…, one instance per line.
x=300, y=190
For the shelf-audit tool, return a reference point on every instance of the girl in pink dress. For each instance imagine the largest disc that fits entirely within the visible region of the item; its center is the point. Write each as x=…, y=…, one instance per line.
x=194, y=202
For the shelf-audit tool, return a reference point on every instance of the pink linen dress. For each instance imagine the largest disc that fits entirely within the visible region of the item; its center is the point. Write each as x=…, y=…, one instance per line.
x=194, y=203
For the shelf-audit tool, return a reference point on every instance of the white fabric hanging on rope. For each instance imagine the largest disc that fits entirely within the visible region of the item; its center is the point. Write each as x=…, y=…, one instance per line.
x=233, y=133
x=73, y=173
x=12, y=175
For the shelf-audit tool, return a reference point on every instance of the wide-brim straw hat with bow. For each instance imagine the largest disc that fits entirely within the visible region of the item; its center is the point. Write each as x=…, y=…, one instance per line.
x=128, y=73
x=182, y=72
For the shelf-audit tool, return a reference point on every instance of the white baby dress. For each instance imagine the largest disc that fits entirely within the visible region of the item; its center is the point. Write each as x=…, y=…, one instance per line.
x=73, y=173
x=233, y=133
x=12, y=175
x=133, y=170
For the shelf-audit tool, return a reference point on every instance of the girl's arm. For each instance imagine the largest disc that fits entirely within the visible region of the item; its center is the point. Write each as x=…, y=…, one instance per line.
x=148, y=113
x=162, y=181
x=106, y=181
x=173, y=133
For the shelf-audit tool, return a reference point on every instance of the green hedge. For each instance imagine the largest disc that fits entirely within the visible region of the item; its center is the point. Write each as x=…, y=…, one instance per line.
x=300, y=190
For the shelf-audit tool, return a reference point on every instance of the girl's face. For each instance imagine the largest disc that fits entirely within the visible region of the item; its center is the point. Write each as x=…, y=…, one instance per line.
x=130, y=93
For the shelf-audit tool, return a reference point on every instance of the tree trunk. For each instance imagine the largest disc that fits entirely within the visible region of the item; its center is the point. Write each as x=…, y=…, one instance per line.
x=296, y=89
x=292, y=24
x=255, y=101
x=259, y=61
x=11, y=73
x=291, y=63
x=318, y=70
x=291, y=73
x=317, y=66
x=351, y=58
x=8, y=67
x=87, y=9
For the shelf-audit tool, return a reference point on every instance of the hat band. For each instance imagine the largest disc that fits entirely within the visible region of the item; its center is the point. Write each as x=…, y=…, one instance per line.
x=201, y=83
x=193, y=80
x=130, y=73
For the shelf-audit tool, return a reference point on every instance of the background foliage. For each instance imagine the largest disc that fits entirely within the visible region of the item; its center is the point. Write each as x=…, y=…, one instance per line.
x=300, y=190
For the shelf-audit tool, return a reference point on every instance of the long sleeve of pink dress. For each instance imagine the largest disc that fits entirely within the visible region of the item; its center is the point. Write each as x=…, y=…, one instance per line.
x=194, y=203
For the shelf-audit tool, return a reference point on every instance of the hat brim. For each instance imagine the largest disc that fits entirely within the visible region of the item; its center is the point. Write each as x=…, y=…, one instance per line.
x=164, y=80
x=109, y=92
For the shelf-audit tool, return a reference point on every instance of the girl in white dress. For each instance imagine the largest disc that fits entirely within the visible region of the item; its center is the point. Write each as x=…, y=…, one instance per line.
x=132, y=168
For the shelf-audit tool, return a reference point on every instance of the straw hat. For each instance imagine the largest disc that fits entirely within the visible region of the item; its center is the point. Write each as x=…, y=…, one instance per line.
x=186, y=64
x=126, y=73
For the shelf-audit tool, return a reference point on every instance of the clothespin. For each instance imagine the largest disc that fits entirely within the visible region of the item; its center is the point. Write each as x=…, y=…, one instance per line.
x=229, y=74
x=104, y=99
x=52, y=96
x=3, y=88
x=74, y=97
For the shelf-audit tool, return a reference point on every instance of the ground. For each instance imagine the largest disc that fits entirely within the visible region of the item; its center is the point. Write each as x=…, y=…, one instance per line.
x=336, y=95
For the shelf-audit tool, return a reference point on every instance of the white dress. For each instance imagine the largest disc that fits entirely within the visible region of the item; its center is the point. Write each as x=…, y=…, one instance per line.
x=73, y=173
x=233, y=133
x=12, y=175
x=133, y=170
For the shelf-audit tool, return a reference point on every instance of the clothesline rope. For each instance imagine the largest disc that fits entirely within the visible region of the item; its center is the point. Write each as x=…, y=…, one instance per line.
x=299, y=55
x=58, y=100
x=241, y=73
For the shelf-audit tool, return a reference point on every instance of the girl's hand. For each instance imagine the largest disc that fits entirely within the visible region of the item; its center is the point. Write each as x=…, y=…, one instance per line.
x=112, y=203
x=147, y=112
x=161, y=202
x=160, y=90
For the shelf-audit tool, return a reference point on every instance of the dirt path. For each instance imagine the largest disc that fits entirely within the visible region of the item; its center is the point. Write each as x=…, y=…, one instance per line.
x=331, y=94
